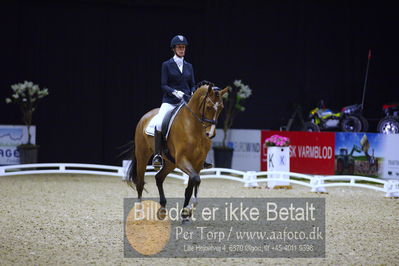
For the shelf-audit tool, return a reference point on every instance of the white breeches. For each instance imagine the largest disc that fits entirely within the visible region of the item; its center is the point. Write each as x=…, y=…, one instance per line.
x=165, y=108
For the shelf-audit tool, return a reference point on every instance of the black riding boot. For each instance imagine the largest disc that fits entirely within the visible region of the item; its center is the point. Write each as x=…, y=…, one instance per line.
x=157, y=162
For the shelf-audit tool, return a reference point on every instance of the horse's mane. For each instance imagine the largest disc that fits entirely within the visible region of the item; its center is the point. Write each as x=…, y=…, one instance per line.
x=201, y=91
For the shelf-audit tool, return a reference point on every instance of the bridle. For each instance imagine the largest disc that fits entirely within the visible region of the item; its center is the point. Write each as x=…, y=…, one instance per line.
x=205, y=122
x=215, y=106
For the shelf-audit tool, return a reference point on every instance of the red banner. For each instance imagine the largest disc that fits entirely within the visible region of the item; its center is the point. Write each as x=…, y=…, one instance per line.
x=310, y=152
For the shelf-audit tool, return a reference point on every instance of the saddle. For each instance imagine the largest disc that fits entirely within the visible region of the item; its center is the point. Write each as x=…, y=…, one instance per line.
x=166, y=123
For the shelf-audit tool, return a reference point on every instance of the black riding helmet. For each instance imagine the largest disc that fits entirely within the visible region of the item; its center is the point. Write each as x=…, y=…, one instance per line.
x=178, y=39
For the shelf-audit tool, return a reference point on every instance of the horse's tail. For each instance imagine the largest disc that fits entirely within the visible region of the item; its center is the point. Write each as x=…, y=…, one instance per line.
x=131, y=174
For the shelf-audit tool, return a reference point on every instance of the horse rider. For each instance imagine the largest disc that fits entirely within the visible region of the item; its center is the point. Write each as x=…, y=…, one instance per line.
x=177, y=84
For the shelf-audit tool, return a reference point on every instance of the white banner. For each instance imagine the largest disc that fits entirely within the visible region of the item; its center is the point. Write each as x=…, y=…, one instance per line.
x=390, y=169
x=10, y=138
x=246, y=144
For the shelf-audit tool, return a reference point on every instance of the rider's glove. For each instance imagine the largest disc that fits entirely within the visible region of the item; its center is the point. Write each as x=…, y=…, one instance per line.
x=178, y=94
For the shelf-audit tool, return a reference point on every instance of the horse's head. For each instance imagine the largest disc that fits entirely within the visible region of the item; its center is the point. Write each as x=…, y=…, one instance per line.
x=210, y=104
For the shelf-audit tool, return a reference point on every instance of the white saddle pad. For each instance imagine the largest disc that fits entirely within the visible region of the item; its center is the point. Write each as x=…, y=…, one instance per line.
x=150, y=129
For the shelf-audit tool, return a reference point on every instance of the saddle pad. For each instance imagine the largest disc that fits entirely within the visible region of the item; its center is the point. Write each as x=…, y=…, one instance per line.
x=166, y=124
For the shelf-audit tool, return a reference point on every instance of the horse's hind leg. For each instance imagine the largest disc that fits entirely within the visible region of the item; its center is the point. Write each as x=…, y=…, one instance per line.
x=142, y=157
x=160, y=178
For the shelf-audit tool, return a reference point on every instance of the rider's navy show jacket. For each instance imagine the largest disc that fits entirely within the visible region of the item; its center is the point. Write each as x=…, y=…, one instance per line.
x=172, y=79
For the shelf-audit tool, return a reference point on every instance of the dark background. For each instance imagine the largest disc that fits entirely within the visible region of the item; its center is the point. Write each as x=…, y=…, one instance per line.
x=101, y=62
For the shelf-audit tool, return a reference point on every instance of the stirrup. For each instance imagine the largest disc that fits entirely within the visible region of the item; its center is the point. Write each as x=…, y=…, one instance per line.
x=157, y=162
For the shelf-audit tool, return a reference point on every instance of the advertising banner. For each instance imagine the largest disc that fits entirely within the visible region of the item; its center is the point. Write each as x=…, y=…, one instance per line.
x=322, y=153
x=359, y=153
x=246, y=144
x=10, y=138
x=310, y=152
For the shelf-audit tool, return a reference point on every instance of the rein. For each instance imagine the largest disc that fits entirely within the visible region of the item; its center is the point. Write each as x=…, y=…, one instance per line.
x=202, y=120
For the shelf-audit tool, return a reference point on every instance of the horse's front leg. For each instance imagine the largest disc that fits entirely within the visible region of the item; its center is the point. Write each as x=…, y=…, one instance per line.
x=193, y=181
x=186, y=212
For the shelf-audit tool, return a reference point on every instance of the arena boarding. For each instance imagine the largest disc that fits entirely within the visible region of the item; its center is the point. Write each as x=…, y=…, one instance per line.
x=316, y=183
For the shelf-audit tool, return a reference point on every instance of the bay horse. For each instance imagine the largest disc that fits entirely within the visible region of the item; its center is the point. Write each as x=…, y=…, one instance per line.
x=188, y=143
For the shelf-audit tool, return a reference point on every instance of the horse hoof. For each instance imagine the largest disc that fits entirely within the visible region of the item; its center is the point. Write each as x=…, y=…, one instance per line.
x=185, y=213
x=161, y=213
x=185, y=221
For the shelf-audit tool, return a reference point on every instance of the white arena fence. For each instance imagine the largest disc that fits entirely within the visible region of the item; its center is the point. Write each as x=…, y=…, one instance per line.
x=60, y=168
x=316, y=183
